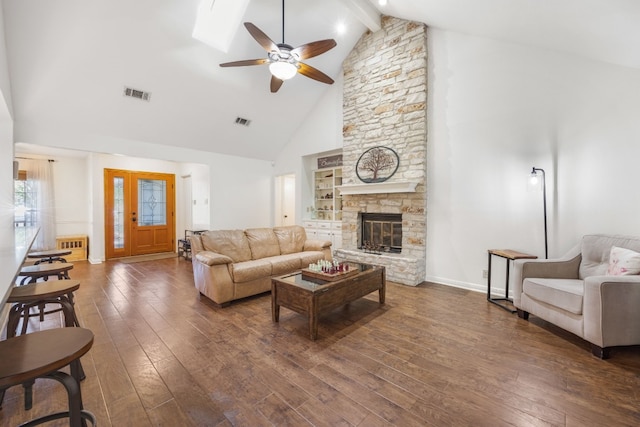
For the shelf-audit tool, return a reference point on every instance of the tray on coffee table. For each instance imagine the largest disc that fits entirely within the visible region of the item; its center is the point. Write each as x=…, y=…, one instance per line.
x=329, y=277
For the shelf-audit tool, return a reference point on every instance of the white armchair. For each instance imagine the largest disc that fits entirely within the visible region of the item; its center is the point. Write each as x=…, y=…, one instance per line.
x=578, y=293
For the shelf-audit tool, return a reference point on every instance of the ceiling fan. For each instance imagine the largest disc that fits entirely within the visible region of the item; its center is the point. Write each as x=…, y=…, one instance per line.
x=284, y=60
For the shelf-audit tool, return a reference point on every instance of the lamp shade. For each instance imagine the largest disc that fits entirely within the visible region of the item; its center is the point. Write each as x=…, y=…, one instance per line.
x=283, y=70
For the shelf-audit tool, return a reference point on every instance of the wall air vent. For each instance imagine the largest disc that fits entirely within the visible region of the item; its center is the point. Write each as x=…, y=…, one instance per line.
x=242, y=122
x=135, y=93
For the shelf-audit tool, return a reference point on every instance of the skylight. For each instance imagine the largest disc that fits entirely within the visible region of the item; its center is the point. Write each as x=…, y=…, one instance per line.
x=217, y=22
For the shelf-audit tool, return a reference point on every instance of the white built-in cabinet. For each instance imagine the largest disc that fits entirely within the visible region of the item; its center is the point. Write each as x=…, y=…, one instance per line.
x=325, y=230
x=326, y=223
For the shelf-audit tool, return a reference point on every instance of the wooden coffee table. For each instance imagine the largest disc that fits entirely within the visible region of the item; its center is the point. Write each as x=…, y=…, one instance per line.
x=312, y=296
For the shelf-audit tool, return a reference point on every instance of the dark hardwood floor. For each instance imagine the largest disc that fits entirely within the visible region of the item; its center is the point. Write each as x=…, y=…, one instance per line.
x=433, y=355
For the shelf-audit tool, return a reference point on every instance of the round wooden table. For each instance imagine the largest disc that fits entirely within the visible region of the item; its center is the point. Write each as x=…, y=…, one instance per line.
x=42, y=355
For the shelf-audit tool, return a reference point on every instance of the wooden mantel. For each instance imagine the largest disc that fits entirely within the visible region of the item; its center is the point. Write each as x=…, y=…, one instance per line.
x=379, y=188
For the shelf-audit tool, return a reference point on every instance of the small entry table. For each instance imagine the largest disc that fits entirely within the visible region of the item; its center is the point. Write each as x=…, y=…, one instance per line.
x=509, y=255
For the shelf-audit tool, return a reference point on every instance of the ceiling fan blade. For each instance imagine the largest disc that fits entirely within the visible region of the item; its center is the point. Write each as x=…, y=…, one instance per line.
x=275, y=84
x=312, y=49
x=314, y=73
x=245, y=62
x=264, y=40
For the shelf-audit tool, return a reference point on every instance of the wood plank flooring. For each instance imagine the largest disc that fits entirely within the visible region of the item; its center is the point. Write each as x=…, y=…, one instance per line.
x=431, y=356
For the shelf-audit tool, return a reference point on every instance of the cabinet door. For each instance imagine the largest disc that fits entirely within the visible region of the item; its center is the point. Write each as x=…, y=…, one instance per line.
x=323, y=234
x=336, y=240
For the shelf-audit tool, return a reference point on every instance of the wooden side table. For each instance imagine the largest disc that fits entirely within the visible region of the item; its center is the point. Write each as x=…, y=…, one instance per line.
x=509, y=255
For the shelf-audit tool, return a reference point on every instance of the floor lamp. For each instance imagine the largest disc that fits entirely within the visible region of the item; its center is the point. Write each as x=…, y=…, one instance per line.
x=534, y=180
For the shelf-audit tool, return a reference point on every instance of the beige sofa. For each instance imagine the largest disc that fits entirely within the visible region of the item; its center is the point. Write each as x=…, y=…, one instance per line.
x=579, y=294
x=233, y=264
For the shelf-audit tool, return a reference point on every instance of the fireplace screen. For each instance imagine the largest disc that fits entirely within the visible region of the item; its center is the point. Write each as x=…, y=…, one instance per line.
x=381, y=232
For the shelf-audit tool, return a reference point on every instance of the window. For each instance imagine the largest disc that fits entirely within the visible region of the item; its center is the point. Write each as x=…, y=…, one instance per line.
x=25, y=197
x=34, y=204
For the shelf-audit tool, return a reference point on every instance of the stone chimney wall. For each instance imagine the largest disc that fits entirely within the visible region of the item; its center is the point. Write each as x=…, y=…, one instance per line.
x=385, y=104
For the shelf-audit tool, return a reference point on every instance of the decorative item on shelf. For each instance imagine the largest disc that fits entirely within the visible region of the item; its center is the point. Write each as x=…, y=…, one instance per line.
x=313, y=211
x=377, y=164
x=372, y=248
x=330, y=161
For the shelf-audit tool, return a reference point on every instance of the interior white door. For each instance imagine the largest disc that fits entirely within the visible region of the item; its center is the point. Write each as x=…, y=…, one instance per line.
x=285, y=200
x=289, y=200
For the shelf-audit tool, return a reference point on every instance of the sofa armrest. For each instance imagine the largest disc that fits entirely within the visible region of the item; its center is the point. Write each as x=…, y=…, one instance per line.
x=542, y=268
x=212, y=258
x=316, y=245
x=610, y=310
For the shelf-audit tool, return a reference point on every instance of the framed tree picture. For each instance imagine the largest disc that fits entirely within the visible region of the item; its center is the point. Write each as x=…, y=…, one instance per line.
x=377, y=164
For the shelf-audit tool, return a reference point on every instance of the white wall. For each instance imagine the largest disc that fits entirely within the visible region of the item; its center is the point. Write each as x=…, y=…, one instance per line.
x=6, y=140
x=495, y=111
x=71, y=194
x=320, y=132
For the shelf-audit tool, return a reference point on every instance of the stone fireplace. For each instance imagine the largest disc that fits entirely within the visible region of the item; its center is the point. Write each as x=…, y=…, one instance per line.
x=384, y=104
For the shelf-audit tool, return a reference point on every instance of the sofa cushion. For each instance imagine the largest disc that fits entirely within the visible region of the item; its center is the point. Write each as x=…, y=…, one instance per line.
x=232, y=243
x=263, y=242
x=283, y=264
x=566, y=294
x=250, y=270
x=623, y=262
x=291, y=238
x=596, y=248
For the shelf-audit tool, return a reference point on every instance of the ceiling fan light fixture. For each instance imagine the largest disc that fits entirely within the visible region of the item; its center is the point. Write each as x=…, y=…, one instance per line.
x=283, y=70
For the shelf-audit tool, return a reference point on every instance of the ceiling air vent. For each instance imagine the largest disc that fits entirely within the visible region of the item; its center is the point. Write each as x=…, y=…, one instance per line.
x=242, y=122
x=135, y=93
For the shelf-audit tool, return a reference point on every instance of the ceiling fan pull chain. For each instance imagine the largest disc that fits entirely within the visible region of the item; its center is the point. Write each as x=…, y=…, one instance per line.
x=282, y=21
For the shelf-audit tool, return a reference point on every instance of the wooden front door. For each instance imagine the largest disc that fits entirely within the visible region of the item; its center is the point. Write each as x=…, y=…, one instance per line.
x=139, y=213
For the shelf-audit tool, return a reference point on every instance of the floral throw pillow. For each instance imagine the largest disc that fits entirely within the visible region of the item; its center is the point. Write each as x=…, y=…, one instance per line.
x=623, y=262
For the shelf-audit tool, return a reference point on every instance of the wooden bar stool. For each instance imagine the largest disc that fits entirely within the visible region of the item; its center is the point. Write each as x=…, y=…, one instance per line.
x=24, y=298
x=44, y=271
x=42, y=355
x=50, y=255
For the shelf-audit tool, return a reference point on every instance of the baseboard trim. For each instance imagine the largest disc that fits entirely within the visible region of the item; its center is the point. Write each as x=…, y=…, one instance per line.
x=457, y=284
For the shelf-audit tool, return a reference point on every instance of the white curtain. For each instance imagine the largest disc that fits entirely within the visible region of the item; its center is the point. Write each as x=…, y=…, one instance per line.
x=40, y=175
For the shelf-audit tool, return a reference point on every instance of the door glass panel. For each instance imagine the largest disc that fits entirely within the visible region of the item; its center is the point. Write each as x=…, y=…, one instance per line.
x=152, y=202
x=118, y=212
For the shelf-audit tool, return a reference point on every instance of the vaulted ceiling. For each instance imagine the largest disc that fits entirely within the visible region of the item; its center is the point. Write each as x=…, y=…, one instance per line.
x=69, y=61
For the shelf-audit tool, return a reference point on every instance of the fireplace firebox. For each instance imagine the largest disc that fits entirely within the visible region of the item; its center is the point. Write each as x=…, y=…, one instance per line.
x=380, y=232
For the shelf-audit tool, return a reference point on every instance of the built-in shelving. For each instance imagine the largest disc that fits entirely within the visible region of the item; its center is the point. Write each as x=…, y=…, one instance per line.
x=327, y=197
